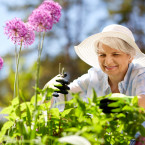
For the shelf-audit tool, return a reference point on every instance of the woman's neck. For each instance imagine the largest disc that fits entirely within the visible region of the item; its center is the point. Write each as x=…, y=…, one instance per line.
x=114, y=84
x=114, y=80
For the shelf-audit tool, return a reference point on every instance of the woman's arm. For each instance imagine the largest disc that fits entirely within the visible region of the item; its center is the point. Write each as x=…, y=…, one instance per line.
x=141, y=101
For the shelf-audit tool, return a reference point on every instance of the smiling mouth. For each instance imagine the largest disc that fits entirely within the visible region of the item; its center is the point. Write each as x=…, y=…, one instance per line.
x=110, y=67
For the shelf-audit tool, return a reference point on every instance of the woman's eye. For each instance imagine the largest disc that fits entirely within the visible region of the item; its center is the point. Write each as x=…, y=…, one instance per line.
x=115, y=54
x=102, y=55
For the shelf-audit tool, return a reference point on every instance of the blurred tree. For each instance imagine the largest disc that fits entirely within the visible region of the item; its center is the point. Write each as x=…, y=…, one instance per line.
x=49, y=68
x=130, y=13
x=26, y=83
x=53, y=68
x=79, y=19
x=60, y=39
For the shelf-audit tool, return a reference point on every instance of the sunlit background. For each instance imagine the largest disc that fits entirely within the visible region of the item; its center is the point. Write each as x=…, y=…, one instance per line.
x=80, y=19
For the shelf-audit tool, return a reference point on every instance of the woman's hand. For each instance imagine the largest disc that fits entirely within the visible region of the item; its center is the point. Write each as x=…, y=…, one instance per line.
x=59, y=85
x=115, y=103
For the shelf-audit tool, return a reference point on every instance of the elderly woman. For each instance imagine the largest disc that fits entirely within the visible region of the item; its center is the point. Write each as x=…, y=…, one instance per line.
x=118, y=66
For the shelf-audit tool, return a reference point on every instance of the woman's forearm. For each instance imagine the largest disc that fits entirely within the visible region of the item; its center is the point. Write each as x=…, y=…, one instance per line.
x=141, y=101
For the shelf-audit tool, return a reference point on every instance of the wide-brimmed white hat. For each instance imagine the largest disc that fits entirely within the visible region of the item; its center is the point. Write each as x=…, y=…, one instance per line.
x=86, y=49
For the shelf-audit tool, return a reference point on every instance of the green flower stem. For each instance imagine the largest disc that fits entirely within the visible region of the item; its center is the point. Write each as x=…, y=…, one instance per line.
x=16, y=82
x=40, y=47
x=65, y=99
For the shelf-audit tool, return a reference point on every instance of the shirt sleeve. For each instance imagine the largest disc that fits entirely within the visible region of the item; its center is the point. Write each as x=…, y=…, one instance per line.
x=140, y=84
x=79, y=85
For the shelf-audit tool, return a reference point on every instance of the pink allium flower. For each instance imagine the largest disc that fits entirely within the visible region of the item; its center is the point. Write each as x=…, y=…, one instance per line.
x=41, y=20
x=53, y=7
x=30, y=35
x=19, y=32
x=1, y=63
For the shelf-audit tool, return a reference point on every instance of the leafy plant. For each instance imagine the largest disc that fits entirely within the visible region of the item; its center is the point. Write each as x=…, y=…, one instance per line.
x=85, y=119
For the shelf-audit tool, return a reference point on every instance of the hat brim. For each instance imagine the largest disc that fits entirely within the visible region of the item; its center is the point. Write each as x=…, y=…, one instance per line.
x=86, y=49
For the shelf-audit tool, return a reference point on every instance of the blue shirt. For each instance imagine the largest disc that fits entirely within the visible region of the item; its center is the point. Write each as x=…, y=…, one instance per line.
x=132, y=85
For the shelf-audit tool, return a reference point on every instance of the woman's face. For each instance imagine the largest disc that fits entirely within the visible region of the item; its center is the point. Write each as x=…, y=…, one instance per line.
x=113, y=62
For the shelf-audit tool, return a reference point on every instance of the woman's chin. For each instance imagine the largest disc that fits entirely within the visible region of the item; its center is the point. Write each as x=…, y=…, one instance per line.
x=111, y=72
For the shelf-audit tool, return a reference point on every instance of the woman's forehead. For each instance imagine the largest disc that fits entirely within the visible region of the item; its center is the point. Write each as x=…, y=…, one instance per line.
x=102, y=48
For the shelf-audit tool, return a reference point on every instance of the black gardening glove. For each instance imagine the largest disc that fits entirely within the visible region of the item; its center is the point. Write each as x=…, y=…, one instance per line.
x=104, y=105
x=115, y=102
x=56, y=85
x=61, y=85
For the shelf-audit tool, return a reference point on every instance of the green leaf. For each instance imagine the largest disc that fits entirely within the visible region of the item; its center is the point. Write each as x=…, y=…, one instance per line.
x=7, y=110
x=127, y=108
x=5, y=127
x=39, y=98
x=15, y=101
x=142, y=130
x=94, y=96
x=18, y=111
x=66, y=112
x=22, y=128
x=55, y=113
x=81, y=104
x=12, y=116
x=24, y=105
x=29, y=117
x=25, y=108
x=120, y=115
x=134, y=101
x=72, y=129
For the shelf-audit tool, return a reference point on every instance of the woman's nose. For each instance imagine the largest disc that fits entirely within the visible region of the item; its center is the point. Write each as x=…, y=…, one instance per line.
x=108, y=60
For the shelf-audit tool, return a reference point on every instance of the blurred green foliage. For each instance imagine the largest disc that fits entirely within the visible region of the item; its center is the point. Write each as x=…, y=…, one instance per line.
x=47, y=125
x=49, y=69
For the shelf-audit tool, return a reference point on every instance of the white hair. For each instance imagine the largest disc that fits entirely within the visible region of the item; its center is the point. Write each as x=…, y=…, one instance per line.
x=115, y=43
